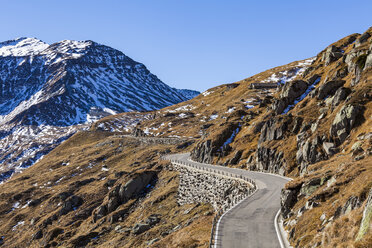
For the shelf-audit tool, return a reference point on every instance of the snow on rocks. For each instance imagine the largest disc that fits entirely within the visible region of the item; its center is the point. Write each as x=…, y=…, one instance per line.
x=213, y=117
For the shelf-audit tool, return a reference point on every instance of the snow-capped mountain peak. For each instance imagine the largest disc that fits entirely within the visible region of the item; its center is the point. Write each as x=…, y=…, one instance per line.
x=66, y=84
x=22, y=47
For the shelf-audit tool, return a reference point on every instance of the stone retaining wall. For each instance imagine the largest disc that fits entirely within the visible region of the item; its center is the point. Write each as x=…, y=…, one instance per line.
x=220, y=191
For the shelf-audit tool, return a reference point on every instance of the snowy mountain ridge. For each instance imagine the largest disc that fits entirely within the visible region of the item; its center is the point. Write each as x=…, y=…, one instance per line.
x=67, y=85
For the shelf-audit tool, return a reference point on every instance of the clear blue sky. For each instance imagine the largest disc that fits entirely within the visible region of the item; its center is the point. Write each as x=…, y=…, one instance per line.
x=193, y=44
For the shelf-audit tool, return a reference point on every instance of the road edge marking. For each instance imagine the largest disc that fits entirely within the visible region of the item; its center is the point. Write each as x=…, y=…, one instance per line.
x=219, y=220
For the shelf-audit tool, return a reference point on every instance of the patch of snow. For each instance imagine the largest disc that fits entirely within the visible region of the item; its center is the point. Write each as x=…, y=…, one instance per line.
x=231, y=138
x=20, y=223
x=22, y=47
x=16, y=205
x=213, y=117
x=230, y=110
x=206, y=93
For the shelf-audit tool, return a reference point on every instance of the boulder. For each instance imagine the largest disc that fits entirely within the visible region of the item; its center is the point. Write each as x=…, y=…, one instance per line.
x=339, y=96
x=328, y=88
x=135, y=185
x=368, y=63
x=329, y=148
x=279, y=105
x=140, y=228
x=363, y=38
x=288, y=199
x=293, y=89
x=344, y=121
x=71, y=204
x=331, y=54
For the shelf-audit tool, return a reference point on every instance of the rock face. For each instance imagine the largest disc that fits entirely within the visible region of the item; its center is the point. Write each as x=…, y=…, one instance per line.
x=339, y=96
x=120, y=193
x=269, y=160
x=288, y=199
x=205, y=150
x=289, y=93
x=308, y=151
x=273, y=129
x=293, y=89
x=331, y=54
x=367, y=217
x=352, y=203
x=208, y=188
x=329, y=88
x=344, y=122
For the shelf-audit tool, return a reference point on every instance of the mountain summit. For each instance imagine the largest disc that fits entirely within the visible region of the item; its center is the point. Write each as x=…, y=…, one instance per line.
x=60, y=84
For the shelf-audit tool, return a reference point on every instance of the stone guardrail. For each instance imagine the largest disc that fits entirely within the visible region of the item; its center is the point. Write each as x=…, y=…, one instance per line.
x=155, y=140
x=225, y=208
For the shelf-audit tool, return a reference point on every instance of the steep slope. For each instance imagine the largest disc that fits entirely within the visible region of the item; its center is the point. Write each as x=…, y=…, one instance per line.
x=309, y=120
x=46, y=90
x=314, y=127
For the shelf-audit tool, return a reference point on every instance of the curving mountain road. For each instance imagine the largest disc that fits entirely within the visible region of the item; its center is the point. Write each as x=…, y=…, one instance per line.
x=251, y=223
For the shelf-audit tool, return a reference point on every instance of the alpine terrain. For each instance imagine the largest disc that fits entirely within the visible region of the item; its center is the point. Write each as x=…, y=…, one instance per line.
x=212, y=171
x=48, y=92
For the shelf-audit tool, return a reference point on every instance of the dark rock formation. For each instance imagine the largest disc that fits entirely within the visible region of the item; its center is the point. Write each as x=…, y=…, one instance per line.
x=120, y=194
x=288, y=199
x=344, y=122
x=331, y=54
x=328, y=88
x=269, y=160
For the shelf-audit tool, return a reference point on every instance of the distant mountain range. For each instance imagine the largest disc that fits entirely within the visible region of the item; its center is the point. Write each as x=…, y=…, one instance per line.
x=45, y=89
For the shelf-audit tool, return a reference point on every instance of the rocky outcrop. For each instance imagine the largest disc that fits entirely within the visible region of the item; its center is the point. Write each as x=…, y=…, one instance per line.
x=363, y=38
x=279, y=105
x=352, y=203
x=328, y=88
x=121, y=193
x=344, y=121
x=288, y=94
x=273, y=129
x=269, y=160
x=293, y=89
x=149, y=223
x=339, y=96
x=70, y=204
x=203, y=152
x=218, y=145
x=288, y=199
x=309, y=151
x=331, y=54
x=367, y=217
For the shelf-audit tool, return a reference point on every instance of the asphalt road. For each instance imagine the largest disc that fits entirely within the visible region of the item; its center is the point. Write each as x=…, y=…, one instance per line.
x=251, y=223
